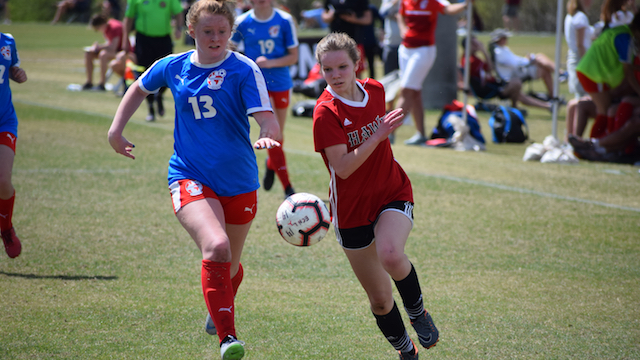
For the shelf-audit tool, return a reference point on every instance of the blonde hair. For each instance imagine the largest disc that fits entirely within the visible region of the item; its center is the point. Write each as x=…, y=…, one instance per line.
x=338, y=42
x=225, y=8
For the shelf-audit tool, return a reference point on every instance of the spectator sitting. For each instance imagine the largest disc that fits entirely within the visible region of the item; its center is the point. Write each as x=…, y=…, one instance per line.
x=509, y=65
x=618, y=146
x=75, y=6
x=312, y=18
x=113, y=33
x=485, y=86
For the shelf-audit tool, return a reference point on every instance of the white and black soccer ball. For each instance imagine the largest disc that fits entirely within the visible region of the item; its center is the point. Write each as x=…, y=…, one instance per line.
x=303, y=219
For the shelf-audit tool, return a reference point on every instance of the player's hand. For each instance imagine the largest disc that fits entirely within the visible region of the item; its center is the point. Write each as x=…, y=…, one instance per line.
x=265, y=143
x=261, y=61
x=18, y=74
x=121, y=145
x=394, y=118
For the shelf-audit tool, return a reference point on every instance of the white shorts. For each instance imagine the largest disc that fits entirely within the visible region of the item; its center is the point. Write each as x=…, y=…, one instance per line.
x=415, y=64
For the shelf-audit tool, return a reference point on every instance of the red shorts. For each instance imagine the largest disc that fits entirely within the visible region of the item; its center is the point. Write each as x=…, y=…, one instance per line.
x=280, y=99
x=589, y=85
x=8, y=139
x=238, y=210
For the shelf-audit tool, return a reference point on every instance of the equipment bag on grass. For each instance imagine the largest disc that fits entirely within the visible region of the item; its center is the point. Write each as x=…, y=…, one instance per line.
x=508, y=125
x=445, y=129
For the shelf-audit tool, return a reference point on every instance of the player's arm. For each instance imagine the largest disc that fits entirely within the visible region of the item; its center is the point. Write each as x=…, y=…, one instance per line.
x=287, y=60
x=454, y=9
x=128, y=106
x=17, y=74
x=401, y=25
x=346, y=163
x=364, y=20
x=269, y=130
x=127, y=27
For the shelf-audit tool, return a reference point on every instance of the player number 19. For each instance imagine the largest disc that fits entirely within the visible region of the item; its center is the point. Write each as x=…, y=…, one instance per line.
x=207, y=103
x=266, y=46
x=2, y=70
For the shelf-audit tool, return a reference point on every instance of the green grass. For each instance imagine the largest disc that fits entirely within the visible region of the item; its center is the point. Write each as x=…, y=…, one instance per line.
x=517, y=260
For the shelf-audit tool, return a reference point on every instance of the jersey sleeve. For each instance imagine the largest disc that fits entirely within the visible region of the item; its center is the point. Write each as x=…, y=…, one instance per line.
x=254, y=88
x=15, y=58
x=624, y=47
x=290, y=36
x=176, y=7
x=327, y=130
x=153, y=79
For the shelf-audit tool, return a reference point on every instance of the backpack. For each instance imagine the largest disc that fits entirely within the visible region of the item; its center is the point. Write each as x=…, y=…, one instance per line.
x=445, y=129
x=508, y=125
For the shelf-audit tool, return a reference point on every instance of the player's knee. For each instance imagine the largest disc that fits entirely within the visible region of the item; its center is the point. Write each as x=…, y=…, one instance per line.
x=391, y=258
x=217, y=251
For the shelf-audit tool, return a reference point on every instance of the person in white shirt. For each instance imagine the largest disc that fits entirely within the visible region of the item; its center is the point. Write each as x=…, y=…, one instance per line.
x=508, y=64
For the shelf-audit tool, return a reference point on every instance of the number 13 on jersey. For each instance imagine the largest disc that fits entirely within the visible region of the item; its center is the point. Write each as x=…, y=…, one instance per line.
x=206, y=103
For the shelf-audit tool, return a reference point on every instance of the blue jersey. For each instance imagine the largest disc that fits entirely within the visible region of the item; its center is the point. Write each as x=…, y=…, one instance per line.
x=271, y=38
x=212, y=143
x=9, y=58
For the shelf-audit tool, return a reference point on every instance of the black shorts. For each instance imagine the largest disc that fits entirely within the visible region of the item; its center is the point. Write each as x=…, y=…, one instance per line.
x=362, y=236
x=150, y=48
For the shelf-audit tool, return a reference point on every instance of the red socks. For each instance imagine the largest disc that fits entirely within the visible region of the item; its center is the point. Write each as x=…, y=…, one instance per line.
x=624, y=112
x=599, y=128
x=6, y=212
x=218, y=294
x=278, y=163
x=236, y=280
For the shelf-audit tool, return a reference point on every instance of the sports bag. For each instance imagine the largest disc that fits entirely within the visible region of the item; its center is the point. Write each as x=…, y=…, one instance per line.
x=445, y=129
x=508, y=125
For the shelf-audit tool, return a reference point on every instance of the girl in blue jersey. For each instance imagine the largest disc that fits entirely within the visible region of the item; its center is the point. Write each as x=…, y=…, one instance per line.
x=213, y=175
x=9, y=69
x=268, y=36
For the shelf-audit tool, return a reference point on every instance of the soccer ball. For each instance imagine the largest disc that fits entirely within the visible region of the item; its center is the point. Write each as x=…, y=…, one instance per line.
x=303, y=219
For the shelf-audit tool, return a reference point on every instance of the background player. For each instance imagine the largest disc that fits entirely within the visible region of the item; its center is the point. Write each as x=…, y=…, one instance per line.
x=268, y=36
x=9, y=69
x=417, y=53
x=213, y=175
x=370, y=195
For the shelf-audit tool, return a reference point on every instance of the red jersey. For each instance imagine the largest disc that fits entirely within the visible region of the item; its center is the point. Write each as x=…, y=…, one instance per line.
x=421, y=18
x=478, y=69
x=357, y=200
x=114, y=29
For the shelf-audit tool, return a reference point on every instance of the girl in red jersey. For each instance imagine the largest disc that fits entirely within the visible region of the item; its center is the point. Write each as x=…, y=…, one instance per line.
x=370, y=195
x=417, y=21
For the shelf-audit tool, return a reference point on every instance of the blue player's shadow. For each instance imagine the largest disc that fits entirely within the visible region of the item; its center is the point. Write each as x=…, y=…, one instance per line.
x=59, y=277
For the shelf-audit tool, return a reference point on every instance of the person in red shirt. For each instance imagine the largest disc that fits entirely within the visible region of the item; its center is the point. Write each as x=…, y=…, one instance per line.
x=113, y=33
x=370, y=195
x=417, y=53
x=485, y=86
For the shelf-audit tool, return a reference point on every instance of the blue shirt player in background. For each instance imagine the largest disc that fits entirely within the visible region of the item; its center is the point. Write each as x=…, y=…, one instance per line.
x=268, y=36
x=9, y=69
x=213, y=174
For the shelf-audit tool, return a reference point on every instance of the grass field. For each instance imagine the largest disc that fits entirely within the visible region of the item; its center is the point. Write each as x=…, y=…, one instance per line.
x=518, y=260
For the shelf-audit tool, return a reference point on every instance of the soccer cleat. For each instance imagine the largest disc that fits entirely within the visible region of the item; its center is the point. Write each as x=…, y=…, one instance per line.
x=289, y=191
x=231, y=348
x=409, y=356
x=11, y=243
x=416, y=139
x=87, y=86
x=209, y=326
x=427, y=332
x=269, y=176
x=99, y=87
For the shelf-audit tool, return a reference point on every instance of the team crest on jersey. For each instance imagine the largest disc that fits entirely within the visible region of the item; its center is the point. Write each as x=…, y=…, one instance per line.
x=216, y=78
x=6, y=52
x=194, y=188
x=274, y=31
